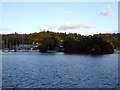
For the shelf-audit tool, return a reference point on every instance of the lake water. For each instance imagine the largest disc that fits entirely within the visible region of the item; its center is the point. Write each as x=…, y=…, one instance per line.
x=59, y=70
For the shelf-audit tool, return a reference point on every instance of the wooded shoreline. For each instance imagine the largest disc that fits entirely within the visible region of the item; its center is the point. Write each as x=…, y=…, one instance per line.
x=62, y=42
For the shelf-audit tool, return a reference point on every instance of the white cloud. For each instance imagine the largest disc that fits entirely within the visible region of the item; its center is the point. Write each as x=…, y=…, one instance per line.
x=69, y=25
x=107, y=14
x=5, y=29
x=68, y=12
x=107, y=11
x=73, y=25
x=51, y=26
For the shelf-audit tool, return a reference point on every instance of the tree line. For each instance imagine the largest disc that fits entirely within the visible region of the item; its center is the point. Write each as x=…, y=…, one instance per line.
x=72, y=42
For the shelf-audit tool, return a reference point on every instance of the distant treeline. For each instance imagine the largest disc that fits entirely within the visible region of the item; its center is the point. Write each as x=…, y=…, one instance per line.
x=72, y=42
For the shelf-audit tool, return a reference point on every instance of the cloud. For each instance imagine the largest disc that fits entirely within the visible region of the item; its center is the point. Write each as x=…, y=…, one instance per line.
x=108, y=7
x=51, y=26
x=5, y=29
x=73, y=25
x=68, y=12
x=69, y=25
x=107, y=11
x=107, y=14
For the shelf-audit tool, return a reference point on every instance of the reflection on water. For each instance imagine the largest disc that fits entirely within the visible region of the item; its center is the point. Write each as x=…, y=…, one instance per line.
x=58, y=70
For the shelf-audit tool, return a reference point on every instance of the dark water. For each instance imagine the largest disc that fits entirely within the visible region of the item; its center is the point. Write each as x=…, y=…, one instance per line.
x=58, y=70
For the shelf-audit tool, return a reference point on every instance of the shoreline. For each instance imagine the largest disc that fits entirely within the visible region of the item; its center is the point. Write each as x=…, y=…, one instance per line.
x=115, y=52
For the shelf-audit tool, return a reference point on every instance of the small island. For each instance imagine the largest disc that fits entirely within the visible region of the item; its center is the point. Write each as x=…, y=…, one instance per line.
x=78, y=44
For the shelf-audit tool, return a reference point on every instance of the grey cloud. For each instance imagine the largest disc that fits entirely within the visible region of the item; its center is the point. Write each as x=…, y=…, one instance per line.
x=107, y=11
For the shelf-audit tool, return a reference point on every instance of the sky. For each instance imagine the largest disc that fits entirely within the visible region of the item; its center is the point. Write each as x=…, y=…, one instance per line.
x=70, y=17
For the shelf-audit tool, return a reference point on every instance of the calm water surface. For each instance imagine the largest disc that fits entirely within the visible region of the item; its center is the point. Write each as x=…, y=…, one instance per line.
x=59, y=70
